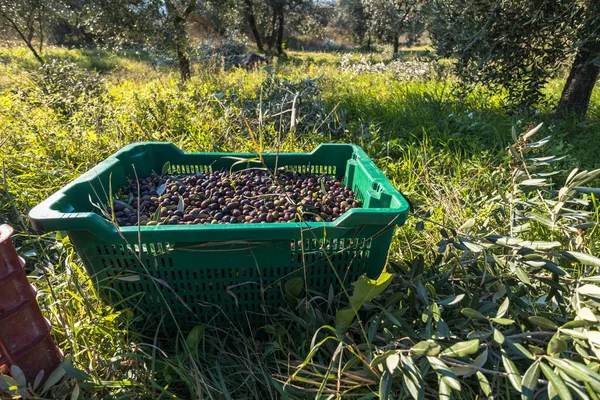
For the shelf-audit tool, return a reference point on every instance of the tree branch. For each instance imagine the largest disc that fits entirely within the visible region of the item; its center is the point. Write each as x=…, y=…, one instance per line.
x=20, y=33
x=527, y=335
x=191, y=6
x=458, y=363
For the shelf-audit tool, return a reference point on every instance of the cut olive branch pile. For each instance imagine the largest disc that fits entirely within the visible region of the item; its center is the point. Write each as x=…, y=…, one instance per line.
x=221, y=197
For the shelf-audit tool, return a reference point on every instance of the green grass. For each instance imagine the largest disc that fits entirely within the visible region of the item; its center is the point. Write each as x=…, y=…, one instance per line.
x=445, y=152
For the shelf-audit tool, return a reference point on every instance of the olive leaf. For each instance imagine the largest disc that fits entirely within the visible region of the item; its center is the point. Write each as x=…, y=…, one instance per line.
x=426, y=348
x=365, y=289
x=473, y=314
x=514, y=377
x=446, y=375
x=484, y=384
x=157, y=214
x=181, y=204
x=392, y=362
x=589, y=290
x=585, y=259
x=529, y=382
x=557, y=382
x=451, y=300
x=578, y=371
x=385, y=385
x=503, y=309
x=124, y=204
x=19, y=375
x=165, y=169
x=462, y=349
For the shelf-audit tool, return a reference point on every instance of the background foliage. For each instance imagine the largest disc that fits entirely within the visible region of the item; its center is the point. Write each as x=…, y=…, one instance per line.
x=515, y=46
x=511, y=47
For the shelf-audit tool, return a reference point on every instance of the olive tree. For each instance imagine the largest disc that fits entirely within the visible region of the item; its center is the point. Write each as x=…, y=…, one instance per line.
x=108, y=23
x=388, y=20
x=28, y=20
x=586, y=64
x=177, y=15
x=268, y=21
x=385, y=21
x=352, y=19
x=518, y=45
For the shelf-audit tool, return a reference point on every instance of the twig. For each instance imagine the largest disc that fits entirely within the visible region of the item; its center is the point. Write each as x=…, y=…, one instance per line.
x=526, y=335
x=458, y=363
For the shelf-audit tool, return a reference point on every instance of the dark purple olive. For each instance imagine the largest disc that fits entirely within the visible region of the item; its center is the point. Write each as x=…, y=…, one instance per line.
x=247, y=196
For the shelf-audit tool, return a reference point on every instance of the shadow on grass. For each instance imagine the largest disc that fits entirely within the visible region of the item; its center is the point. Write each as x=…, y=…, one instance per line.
x=99, y=60
x=472, y=125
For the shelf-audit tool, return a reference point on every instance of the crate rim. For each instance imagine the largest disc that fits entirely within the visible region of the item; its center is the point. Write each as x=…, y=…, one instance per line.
x=47, y=217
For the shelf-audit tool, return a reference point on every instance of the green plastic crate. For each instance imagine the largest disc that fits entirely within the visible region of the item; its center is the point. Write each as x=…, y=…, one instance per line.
x=225, y=272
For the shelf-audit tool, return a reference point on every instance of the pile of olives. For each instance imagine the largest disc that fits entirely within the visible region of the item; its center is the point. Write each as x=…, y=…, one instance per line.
x=223, y=197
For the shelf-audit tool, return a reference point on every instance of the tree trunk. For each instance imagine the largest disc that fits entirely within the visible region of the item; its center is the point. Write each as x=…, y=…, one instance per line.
x=22, y=35
x=181, y=41
x=41, y=34
x=29, y=26
x=184, y=63
x=280, y=51
x=400, y=29
x=577, y=92
x=271, y=40
x=181, y=49
x=252, y=22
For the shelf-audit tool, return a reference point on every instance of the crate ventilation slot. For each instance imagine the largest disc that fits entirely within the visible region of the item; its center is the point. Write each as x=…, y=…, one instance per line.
x=312, y=169
x=236, y=290
x=189, y=169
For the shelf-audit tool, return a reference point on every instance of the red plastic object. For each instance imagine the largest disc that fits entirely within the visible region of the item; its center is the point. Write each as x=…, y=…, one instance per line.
x=25, y=338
